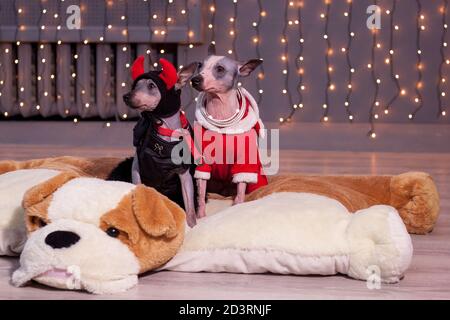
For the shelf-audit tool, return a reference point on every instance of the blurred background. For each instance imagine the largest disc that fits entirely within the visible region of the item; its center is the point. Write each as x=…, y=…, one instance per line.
x=327, y=81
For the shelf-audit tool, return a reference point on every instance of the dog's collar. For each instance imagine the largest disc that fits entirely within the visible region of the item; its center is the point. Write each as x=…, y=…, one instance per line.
x=248, y=122
x=240, y=113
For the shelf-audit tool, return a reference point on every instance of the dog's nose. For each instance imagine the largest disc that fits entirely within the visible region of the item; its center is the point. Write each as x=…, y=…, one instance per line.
x=61, y=239
x=127, y=98
x=197, y=80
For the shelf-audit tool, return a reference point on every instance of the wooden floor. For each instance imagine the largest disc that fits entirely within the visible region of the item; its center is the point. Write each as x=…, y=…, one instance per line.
x=428, y=277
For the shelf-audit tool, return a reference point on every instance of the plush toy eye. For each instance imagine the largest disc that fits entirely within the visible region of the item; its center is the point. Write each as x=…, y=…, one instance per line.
x=40, y=223
x=112, y=232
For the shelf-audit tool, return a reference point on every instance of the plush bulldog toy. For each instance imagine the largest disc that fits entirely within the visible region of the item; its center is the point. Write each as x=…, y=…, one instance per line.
x=96, y=235
x=75, y=231
x=87, y=233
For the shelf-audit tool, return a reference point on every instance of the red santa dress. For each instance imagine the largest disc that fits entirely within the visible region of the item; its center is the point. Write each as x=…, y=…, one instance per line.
x=230, y=151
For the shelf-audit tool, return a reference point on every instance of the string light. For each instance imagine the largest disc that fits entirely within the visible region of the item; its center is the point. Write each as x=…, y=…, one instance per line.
x=212, y=9
x=47, y=14
x=326, y=105
x=260, y=75
x=375, y=103
x=351, y=70
x=441, y=80
x=186, y=51
x=285, y=42
x=298, y=61
x=233, y=30
x=391, y=59
x=419, y=28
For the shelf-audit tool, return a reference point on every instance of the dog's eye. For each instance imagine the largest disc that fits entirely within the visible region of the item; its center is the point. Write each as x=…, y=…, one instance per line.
x=38, y=222
x=151, y=85
x=112, y=232
x=220, y=69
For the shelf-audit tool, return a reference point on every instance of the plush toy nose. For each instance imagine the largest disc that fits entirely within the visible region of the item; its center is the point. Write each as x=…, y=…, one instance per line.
x=61, y=239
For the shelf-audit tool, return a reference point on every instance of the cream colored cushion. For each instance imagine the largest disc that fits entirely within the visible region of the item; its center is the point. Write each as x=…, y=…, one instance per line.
x=13, y=186
x=297, y=233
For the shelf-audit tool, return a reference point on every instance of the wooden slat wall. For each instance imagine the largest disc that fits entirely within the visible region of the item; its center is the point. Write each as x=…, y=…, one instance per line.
x=42, y=77
x=52, y=82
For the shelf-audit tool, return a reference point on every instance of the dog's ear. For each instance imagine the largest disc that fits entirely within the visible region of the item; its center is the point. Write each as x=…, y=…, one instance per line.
x=185, y=74
x=156, y=214
x=41, y=191
x=246, y=68
x=212, y=49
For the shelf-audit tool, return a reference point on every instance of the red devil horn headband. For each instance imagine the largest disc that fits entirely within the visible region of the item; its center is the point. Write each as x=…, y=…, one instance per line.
x=168, y=73
x=138, y=67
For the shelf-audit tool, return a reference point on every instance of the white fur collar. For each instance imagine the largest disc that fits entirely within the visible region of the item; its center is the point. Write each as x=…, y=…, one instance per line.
x=245, y=125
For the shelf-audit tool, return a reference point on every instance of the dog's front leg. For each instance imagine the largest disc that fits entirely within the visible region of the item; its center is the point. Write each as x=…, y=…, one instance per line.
x=201, y=189
x=135, y=175
x=187, y=189
x=240, y=196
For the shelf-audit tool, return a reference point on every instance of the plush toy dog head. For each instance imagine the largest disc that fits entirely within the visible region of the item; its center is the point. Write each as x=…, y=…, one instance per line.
x=157, y=92
x=96, y=235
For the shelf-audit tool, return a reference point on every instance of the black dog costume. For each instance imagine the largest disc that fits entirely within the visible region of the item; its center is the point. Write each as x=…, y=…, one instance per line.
x=156, y=167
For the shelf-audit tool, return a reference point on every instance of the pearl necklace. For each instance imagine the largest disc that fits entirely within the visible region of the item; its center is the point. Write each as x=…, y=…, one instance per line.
x=225, y=123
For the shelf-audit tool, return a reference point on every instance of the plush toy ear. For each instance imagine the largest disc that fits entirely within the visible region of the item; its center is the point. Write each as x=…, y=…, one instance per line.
x=185, y=74
x=156, y=214
x=212, y=49
x=40, y=192
x=168, y=74
x=138, y=67
x=246, y=68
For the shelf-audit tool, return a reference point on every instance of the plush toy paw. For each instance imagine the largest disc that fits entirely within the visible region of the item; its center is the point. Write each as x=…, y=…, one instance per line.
x=416, y=198
x=380, y=246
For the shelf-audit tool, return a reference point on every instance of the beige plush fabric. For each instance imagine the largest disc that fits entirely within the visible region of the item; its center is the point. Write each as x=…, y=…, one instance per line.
x=297, y=233
x=13, y=186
